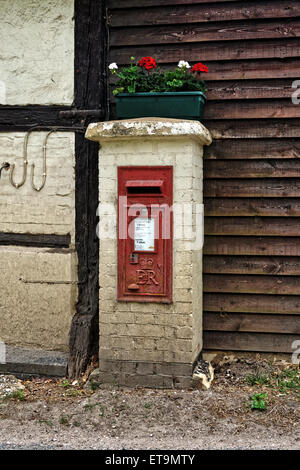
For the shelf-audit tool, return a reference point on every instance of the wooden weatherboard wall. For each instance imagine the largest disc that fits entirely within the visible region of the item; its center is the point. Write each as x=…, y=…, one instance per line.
x=252, y=169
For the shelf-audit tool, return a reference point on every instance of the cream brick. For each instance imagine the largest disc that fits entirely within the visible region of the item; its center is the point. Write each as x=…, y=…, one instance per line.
x=182, y=282
x=145, y=343
x=127, y=147
x=116, y=342
x=182, y=258
x=141, y=308
x=108, y=184
x=183, y=195
x=176, y=345
x=184, y=269
x=180, y=147
x=184, y=332
x=108, y=293
x=174, y=320
x=123, y=307
x=108, y=171
x=184, y=307
x=145, y=330
x=169, y=332
x=150, y=355
x=183, y=295
x=185, y=182
x=144, y=318
x=107, y=281
x=178, y=356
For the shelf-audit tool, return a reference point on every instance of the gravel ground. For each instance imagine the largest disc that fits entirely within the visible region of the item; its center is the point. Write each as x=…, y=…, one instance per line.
x=56, y=414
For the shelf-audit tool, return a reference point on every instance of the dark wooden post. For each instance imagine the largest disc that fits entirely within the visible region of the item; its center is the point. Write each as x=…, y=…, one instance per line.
x=90, y=93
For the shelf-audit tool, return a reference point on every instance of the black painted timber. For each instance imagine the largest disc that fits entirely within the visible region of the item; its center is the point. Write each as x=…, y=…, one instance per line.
x=23, y=118
x=37, y=240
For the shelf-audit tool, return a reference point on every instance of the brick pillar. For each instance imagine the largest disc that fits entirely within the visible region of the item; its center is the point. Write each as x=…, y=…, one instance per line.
x=146, y=343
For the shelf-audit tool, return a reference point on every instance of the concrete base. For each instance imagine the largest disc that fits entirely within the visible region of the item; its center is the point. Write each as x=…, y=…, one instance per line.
x=24, y=362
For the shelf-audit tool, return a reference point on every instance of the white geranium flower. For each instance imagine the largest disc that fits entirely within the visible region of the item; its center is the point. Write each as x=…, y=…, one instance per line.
x=113, y=66
x=183, y=64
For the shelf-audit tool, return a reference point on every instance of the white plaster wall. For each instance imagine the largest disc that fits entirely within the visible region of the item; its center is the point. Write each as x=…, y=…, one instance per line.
x=36, y=52
x=38, y=296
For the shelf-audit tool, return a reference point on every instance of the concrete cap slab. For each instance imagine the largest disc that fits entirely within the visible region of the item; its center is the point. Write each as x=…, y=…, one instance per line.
x=148, y=127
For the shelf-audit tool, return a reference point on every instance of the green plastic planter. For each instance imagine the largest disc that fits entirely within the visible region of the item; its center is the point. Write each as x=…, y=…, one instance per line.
x=177, y=105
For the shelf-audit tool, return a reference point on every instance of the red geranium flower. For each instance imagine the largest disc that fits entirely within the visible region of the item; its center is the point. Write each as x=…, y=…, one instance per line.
x=147, y=62
x=199, y=67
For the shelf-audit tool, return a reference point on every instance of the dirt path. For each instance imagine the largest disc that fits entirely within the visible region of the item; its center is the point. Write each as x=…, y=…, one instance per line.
x=56, y=414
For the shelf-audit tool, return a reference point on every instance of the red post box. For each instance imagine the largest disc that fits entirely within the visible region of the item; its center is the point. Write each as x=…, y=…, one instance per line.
x=145, y=233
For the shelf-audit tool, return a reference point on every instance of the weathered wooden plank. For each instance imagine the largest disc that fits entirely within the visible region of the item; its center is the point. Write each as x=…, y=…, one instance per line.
x=252, y=109
x=280, y=207
x=116, y=4
x=204, y=13
x=208, y=51
x=260, y=342
x=277, y=265
x=201, y=32
x=251, y=322
x=258, y=226
x=242, y=89
x=245, y=70
x=271, y=168
x=251, y=284
x=252, y=69
x=249, y=89
x=252, y=303
x=247, y=187
x=259, y=246
x=253, y=128
x=249, y=148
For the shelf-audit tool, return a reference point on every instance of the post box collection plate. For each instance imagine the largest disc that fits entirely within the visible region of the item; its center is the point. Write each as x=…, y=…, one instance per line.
x=145, y=233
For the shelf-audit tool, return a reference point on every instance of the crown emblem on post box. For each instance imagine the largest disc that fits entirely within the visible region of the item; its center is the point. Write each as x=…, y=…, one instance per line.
x=146, y=263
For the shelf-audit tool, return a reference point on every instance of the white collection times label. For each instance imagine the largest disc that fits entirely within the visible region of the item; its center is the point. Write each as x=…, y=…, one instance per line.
x=144, y=234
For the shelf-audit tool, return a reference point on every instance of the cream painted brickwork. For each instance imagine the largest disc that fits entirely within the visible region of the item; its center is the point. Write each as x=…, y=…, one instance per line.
x=147, y=331
x=36, y=52
x=38, y=294
x=51, y=210
x=151, y=332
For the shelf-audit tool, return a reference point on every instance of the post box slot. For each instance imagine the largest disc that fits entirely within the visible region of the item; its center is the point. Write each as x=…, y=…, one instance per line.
x=144, y=190
x=144, y=186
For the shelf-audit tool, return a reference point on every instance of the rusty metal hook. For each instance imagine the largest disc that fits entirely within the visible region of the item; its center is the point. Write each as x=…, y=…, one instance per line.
x=4, y=166
x=44, y=174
